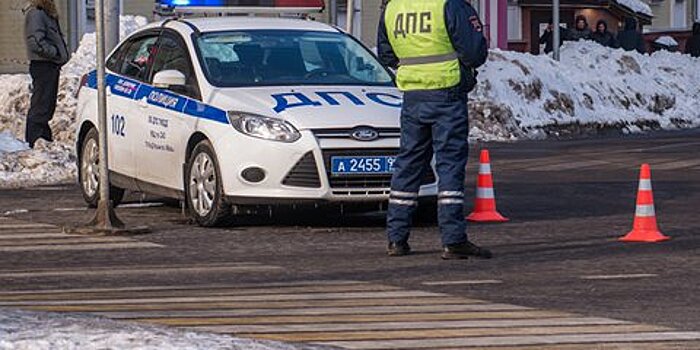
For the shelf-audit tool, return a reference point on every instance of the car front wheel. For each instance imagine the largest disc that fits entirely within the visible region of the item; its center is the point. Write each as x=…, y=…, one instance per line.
x=204, y=190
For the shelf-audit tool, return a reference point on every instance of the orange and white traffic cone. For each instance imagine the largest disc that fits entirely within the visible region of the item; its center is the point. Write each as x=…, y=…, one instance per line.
x=485, y=202
x=644, y=228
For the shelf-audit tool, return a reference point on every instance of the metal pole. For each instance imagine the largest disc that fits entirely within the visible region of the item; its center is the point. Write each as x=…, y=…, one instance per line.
x=350, y=16
x=556, y=37
x=73, y=24
x=102, y=106
x=333, y=12
x=105, y=218
x=111, y=25
x=82, y=19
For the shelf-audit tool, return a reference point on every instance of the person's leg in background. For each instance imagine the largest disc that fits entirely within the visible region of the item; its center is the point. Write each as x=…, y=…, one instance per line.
x=409, y=169
x=45, y=77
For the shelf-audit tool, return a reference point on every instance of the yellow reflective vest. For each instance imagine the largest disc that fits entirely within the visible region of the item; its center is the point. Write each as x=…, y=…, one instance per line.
x=418, y=35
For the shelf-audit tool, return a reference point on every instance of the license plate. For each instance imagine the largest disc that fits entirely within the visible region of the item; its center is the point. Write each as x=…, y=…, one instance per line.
x=362, y=165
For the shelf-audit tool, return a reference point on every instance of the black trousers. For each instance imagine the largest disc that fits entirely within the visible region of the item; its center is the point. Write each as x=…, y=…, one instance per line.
x=43, y=103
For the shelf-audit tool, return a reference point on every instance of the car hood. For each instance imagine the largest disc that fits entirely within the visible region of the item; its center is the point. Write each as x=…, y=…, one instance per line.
x=321, y=107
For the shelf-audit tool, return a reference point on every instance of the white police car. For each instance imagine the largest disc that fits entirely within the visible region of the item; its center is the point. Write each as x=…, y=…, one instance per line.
x=243, y=110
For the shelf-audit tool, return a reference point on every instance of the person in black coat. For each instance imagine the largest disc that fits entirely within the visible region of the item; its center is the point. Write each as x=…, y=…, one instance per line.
x=47, y=52
x=630, y=38
x=580, y=30
x=603, y=36
x=547, y=37
x=692, y=46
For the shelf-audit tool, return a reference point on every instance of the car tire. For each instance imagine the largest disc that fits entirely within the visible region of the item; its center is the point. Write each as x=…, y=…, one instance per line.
x=204, y=189
x=89, y=173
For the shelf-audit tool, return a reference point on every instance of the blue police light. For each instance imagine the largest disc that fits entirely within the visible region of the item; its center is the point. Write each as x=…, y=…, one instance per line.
x=191, y=2
x=167, y=8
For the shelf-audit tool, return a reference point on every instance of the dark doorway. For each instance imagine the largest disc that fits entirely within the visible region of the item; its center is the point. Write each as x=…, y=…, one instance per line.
x=540, y=18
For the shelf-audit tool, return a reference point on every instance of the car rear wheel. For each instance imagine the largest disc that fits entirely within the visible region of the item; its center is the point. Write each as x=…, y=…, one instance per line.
x=89, y=172
x=204, y=190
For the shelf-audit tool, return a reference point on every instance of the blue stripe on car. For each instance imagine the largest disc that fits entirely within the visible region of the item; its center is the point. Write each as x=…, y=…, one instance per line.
x=136, y=90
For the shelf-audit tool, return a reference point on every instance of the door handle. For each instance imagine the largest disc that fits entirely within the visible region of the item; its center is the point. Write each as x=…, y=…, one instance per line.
x=143, y=103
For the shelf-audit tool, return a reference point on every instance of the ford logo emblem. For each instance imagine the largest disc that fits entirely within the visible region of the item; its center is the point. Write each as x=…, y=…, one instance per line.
x=364, y=133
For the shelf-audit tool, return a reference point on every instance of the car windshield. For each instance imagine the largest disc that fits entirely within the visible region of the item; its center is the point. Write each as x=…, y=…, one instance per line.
x=284, y=57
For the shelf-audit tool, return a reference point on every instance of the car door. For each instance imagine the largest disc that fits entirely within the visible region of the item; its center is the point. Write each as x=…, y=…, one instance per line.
x=128, y=67
x=165, y=129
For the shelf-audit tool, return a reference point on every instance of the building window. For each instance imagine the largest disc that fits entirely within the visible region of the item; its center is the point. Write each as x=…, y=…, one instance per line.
x=679, y=14
x=514, y=25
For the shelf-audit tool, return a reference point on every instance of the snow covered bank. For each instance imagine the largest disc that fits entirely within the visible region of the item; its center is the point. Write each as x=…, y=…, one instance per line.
x=20, y=330
x=8, y=143
x=519, y=96
x=49, y=163
x=592, y=88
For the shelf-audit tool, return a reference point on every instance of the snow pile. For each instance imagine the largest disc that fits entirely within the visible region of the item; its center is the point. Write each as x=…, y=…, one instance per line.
x=593, y=88
x=638, y=6
x=49, y=163
x=8, y=143
x=34, y=330
x=666, y=41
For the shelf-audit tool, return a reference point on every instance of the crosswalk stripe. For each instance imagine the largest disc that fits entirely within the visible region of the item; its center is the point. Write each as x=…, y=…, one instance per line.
x=62, y=240
x=311, y=311
x=33, y=235
x=74, y=247
x=48, y=229
x=516, y=340
x=256, y=304
x=444, y=316
x=451, y=333
x=18, y=225
x=19, y=236
x=192, y=287
x=268, y=297
x=407, y=325
x=139, y=270
x=203, y=292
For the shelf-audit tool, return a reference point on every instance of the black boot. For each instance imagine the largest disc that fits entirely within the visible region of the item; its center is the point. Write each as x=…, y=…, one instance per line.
x=47, y=134
x=398, y=248
x=464, y=250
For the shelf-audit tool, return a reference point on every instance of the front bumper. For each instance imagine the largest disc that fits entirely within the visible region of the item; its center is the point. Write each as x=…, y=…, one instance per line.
x=299, y=172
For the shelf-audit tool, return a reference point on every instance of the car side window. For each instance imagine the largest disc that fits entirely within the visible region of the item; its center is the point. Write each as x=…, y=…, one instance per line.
x=138, y=58
x=172, y=55
x=114, y=62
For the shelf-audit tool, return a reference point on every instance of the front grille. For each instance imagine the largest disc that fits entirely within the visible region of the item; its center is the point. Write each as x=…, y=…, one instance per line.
x=357, y=181
x=344, y=133
x=304, y=173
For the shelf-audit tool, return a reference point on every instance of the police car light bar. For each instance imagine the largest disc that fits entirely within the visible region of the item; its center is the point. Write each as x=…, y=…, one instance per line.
x=244, y=10
x=238, y=7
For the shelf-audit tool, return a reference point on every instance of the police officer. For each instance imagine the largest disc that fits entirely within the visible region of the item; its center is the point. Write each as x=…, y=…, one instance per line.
x=436, y=46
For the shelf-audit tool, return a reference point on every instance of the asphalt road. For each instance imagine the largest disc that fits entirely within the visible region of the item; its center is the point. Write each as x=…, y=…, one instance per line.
x=557, y=259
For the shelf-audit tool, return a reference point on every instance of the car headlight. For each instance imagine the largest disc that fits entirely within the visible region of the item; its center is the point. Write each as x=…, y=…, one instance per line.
x=263, y=127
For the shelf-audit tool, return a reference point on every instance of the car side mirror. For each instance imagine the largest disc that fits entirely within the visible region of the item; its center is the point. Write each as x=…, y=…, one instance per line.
x=169, y=78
